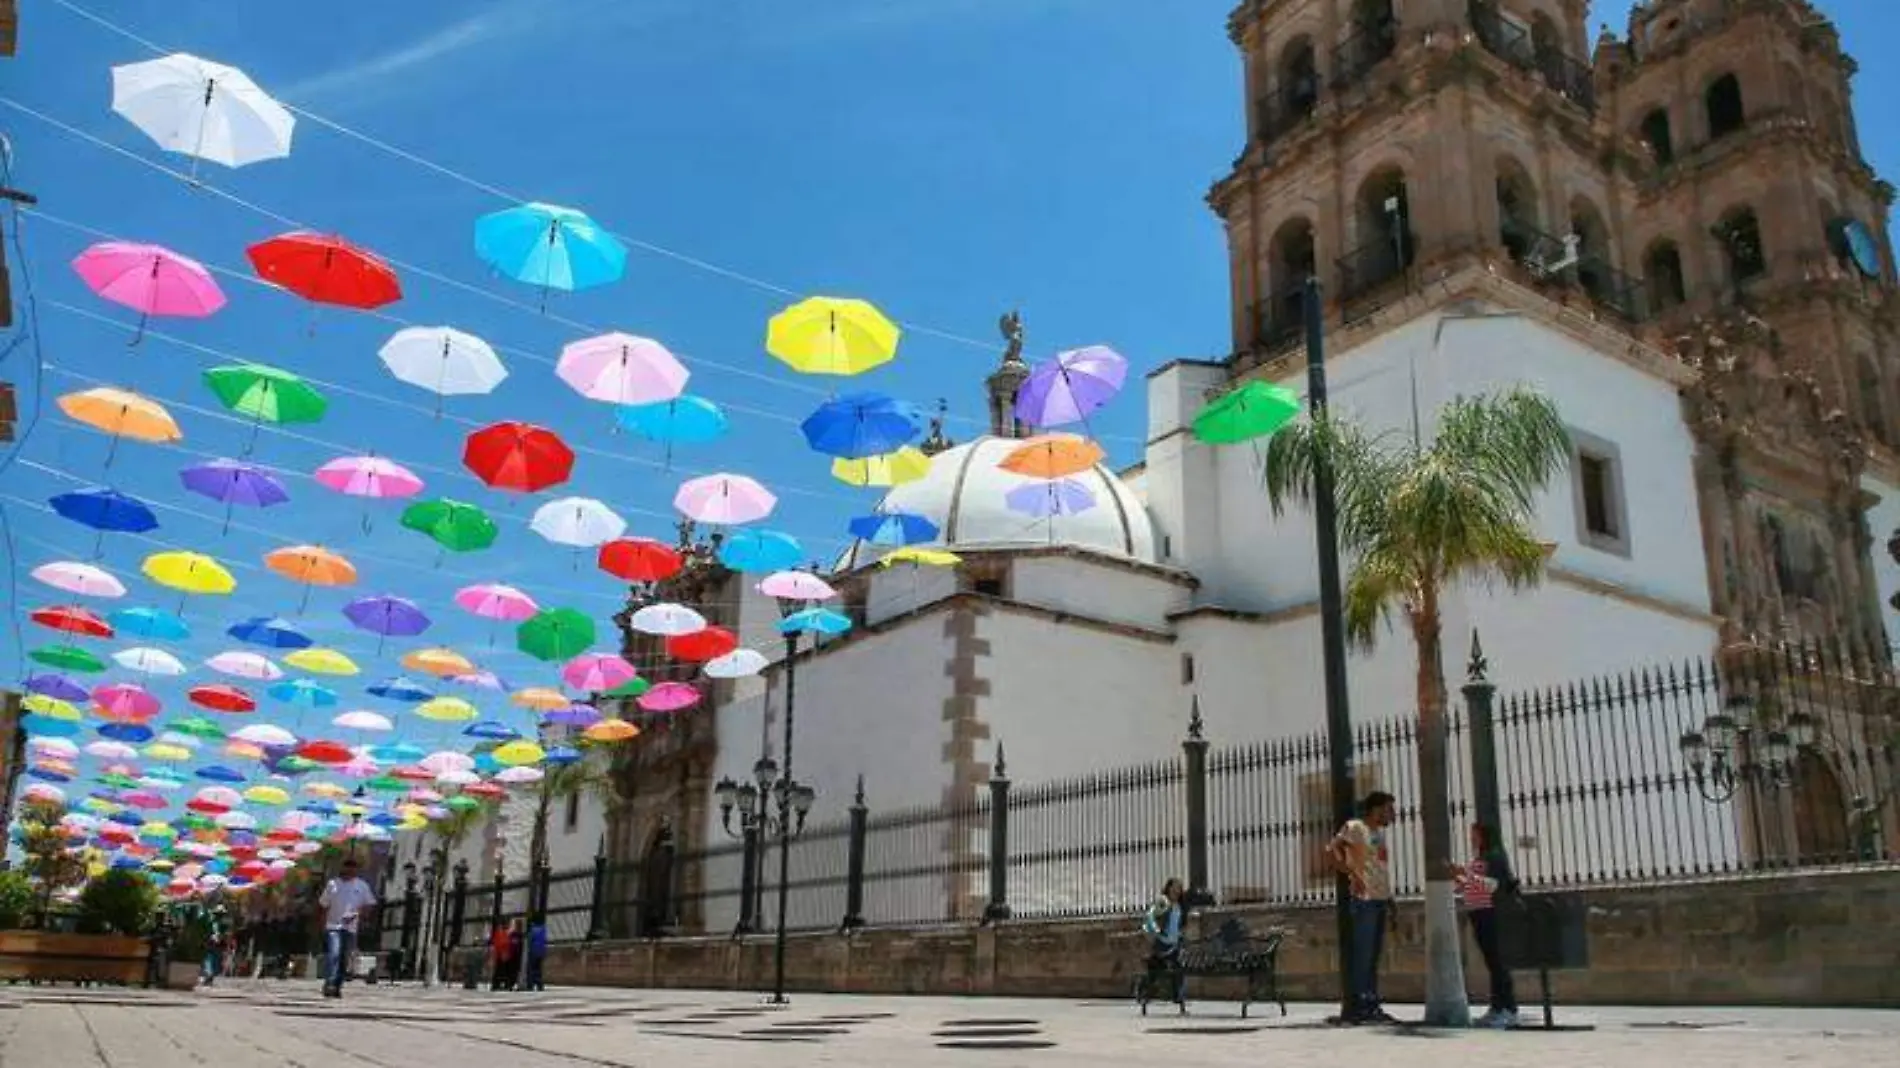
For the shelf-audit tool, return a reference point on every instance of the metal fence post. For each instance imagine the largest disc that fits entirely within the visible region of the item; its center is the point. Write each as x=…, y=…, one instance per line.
x=1194, y=747
x=1479, y=696
x=749, y=856
x=411, y=921
x=458, y=908
x=854, y=863
x=495, y=892
x=998, y=908
x=597, y=903
x=538, y=888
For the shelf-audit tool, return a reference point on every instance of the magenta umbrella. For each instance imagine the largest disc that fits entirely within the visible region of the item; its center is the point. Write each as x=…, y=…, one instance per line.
x=622, y=369
x=597, y=672
x=149, y=279
x=668, y=697
x=368, y=476
x=724, y=499
x=492, y=600
x=126, y=700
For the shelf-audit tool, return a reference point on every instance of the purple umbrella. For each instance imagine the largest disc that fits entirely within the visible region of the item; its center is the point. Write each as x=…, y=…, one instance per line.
x=1046, y=500
x=1066, y=389
x=575, y=715
x=58, y=687
x=385, y=616
x=234, y=482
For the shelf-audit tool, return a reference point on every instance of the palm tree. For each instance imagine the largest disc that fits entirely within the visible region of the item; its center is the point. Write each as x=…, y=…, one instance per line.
x=591, y=776
x=1417, y=518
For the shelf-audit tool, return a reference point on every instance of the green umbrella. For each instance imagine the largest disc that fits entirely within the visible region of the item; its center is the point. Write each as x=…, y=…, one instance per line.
x=1255, y=410
x=384, y=784
x=118, y=782
x=67, y=658
x=462, y=803
x=266, y=394
x=455, y=526
x=197, y=822
x=555, y=634
x=633, y=687
x=197, y=727
x=295, y=764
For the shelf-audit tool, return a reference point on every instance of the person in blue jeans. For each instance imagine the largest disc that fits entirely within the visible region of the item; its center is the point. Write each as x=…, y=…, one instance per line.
x=344, y=900
x=537, y=953
x=1162, y=924
x=1360, y=851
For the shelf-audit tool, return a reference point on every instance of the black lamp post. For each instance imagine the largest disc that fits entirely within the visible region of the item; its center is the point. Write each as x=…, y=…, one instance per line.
x=1724, y=755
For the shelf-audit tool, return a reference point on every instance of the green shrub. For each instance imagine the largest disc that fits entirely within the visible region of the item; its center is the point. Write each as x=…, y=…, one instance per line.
x=17, y=899
x=117, y=902
x=188, y=944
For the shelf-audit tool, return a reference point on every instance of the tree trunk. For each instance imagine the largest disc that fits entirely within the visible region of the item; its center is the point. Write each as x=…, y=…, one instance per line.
x=538, y=840
x=1445, y=1002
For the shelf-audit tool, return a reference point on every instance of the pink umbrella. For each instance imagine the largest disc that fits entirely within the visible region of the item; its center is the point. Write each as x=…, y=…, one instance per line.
x=492, y=600
x=724, y=500
x=622, y=369
x=246, y=665
x=145, y=799
x=363, y=720
x=107, y=750
x=125, y=700
x=82, y=579
x=360, y=767
x=369, y=476
x=796, y=586
x=150, y=280
x=669, y=697
x=597, y=672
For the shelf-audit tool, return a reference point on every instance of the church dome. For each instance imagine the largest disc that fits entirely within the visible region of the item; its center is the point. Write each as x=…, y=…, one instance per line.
x=963, y=494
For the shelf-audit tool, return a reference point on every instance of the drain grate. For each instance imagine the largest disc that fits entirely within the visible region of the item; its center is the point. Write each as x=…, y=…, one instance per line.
x=991, y=1033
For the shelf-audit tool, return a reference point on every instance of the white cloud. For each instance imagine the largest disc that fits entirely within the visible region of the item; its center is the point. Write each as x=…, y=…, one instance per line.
x=377, y=73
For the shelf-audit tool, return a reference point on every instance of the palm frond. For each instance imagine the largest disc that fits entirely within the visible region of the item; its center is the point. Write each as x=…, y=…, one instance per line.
x=1512, y=442
x=1381, y=576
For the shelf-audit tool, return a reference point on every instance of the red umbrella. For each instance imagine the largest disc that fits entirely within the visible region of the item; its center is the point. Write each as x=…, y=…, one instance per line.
x=701, y=645
x=518, y=456
x=326, y=270
x=221, y=698
x=73, y=620
x=324, y=751
x=639, y=560
x=486, y=790
x=412, y=773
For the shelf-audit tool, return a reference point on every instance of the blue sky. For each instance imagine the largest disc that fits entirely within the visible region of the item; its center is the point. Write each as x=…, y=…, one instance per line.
x=947, y=159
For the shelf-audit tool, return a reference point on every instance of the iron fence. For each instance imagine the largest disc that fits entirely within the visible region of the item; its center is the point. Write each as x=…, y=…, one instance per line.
x=1366, y=48
x=1563, y=74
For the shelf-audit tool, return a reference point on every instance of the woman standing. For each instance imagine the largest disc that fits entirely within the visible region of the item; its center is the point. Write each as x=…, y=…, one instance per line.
x=1479, y=883
x=499, y=945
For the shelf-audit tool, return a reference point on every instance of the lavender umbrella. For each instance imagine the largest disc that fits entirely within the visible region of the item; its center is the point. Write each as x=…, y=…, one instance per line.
x=1046, y=500
x=574, y=715
x=232, y=483
x=385, y=616
x=1066, y=389
x=58, y=687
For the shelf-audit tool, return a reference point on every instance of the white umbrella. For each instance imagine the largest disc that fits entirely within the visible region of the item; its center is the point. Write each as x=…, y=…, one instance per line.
x=519, y=775
x=667, y=620
x=107, y=750
x=446, y=760
x=54, y=748
x=148, y=661
x=621, y=369
x=443, y=361
x=246, y=665
x=457, y=778
x=205, y=110
x=361, y=720
x=265, y=734
x=579, y=522
x=736, y=665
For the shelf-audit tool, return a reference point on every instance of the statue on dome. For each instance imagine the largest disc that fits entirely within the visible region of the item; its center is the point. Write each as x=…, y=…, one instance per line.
x=1012, y=327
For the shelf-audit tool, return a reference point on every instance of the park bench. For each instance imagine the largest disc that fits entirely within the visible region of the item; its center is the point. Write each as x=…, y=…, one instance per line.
x=1231, y=952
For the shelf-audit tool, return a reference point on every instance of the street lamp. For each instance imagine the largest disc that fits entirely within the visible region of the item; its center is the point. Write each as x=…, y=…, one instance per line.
x=1721, y=756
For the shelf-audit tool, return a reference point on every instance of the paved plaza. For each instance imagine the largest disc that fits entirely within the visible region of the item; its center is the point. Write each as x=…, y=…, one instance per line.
x=254, y=1025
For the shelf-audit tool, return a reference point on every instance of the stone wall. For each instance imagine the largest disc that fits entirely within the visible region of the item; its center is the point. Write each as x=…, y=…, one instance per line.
x=1812, y=939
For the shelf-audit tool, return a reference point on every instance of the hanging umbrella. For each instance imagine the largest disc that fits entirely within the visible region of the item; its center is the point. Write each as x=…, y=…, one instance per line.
x=831, y=336
x=387, y=616
x=893, y=528
x=202, y=109
x=126, y=732
x=311, y=565
x=622, y=369
x=820, y=621
x=666, y=620
x=324, y=751
x=633, y=687
x=152, y=624
x=611, y=730
x=594, y=672
x=493, y=600
x=234, y=482
x=363, y=720
x=439, y=662
x=368, y=476
x=518, y=752
x=269, y=632
x=754, y=551
x=1250, y=411
x=111, y=751
x=907, y=464
x=266, y=734
x=669, y=697
x=66, y=658
x=217, y=772
x=266, y=394
x=555, y=634
x=321, y=662
x=1066, y=389
x=82, y=579
x=684, y=420
x=400, y=689
x=443, y=361
x=549, y=246
x=1052, y=456
x=639, y=560
x=71, y=619
x=243, y=664
x=574, y=715
x=52, y=707
x=796, y=586
x=491, y=730
x=453, y=525
x=105, y=510
x=518, y=456
x=724, y=499
x=577, y=522
x=910, y=554
x=519, y=776
x=325, y=270
x=125, y=701
x=266, y=794
x=149, y=279
x=446, y=710
x=1046, y=500
x=147, y=660
x=701, y=645
x=858, y=425
x=539, y=698
x=304, y=692
x=121, y=413
x=57, y=687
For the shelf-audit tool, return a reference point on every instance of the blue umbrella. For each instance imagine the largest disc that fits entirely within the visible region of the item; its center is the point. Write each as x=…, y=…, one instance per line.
x=219, y=773
x=303, y=692
x=893, y=528
x=127, y=862
x=486, y=764
x=562, y=754
x=384, y=819
x=684, y=420
x=549, y=246
x=105, y=510
x=401, y=690
x=858, y=425
x=320, y=807
x=270, y=632
x=492, y=729
x=760, y=551
x=58, y=687
x=153, y=623
x=134, y=733
x=48, y=727
x=49, y=775
x=126, y=819
x=822, y=621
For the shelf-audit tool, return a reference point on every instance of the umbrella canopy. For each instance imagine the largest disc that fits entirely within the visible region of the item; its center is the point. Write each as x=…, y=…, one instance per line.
x=325, y=270
x=1253, y=410
x=446, y=710
x=1066, y=389
x=202, y=109
x=321, y=662
x=368, y=476
x=666, y=620
x=724, y=499
x=266, y=794
x=266, y=394
x=737, y=664
x=611, y=730
x=539, y=698
x=573, y=715
x=1063, y=496
x=387, y=616
x=443, y=663
x=121, y=413
x=189, y=573
x=455, y=526
x=492, y=600
x=363, y=720
x=518, y=456
x=577, y=522
x=517, y=752
x=520, y=775
x=491, y=730
x=910, y=554
x=701, y=645
x=549, y=246
x=152, y=624
x=1052, y=456
x=907, y=464
x=269, y=632
x=57, y=687
x=311, y=565
x=149, y=279
x=234, y=482
x=70, y=576
x=221, y=698
x=304, y=692
x=820, y=621
x=669, y=697
x=125, y=701
x=66, y=658
x=622, y=369
x=266, y=734
x=443, y=361
x=858, y=425
x=684, y=420
x=555, y=634
x=71, y=619
x=639, y=560
x=595, y=672
x=147, y=660
x=755, y=551
x=240, y=663
x=400, y=689
x=893, y=528
x=796, y=586
x=105, y=510
x=832, y=336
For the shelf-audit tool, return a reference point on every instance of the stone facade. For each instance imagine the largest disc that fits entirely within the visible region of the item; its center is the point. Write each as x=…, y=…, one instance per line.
x=1814, y=940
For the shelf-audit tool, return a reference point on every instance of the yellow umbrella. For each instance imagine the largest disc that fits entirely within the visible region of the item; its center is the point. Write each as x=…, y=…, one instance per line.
x=891, y=469
x=51, y=707
x=101, y=806
x=121, y=413
x=166, y=751
x=446, y=710
x=160, y=864
x=519, y=751
x=611, y=730
x=321, y=662
x=832, y=336
x=266, y=794
x=322, y=789
x=911, y=554
x=189, y=572
x=244, y=749
x=439, y=662
x=540, y=698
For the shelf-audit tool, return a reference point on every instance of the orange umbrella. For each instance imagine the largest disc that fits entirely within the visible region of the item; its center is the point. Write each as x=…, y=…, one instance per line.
x=611, y=730
x=1053, y=456
x=541, y=699
x=442, y=663
x=122, y=414
x=311, y=565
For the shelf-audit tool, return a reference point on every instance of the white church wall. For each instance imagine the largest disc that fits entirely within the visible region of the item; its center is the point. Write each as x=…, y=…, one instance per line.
x=1096, y=590
x=901, y=588
x=1882, y=520
x=1179, y=481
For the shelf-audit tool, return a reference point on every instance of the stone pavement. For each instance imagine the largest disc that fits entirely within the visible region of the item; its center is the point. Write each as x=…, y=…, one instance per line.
x=287, y=1025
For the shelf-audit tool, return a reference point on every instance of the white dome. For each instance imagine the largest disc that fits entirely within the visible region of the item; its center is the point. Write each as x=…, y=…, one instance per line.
x=964, y=496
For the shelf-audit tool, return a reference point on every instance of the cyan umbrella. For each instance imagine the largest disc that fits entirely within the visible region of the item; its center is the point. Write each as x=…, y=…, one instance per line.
x=303, y=692
x=820, y=621
x=858, y=425
x=893, y=528
x=154, y=624
x=760, y=551
x=549, y=246
x=684, y=420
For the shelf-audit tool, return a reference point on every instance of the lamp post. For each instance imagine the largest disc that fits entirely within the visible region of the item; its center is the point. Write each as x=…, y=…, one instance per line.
x=1723, y=755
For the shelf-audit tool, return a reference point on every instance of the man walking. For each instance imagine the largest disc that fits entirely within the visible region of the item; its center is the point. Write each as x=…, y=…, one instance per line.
x=1360, y=851
x=537, y=953
x=343, y=901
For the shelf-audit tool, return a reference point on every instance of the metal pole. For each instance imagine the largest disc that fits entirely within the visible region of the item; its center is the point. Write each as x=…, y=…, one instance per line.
x=1479, y=695
x=1332, y=628
x=748, y=878
x=998, y=908
x=596, y=905
x=785, y=822
x=1194, y=748
x=854, y=863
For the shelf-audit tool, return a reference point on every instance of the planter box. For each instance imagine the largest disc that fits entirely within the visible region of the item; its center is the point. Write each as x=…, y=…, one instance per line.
x=182, y=975
x=44, y=955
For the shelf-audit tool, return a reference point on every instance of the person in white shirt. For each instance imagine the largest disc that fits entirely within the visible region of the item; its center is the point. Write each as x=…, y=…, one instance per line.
x=343, y=901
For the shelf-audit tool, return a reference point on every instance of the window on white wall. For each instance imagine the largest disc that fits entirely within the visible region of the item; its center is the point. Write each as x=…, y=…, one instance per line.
x=572, y=817
x=1597, y=480
x=1187, y=669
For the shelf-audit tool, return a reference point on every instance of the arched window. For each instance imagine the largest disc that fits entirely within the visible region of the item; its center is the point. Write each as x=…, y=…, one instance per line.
x=1375, y=32
x=1546, y=43
x=1740, y=235
x=1655, y=133
x=1382, y=232
x=1294, y=258
x=1299, y=79
x=1595, y=271
x=1662, y=276
x=1517, y=208
x=1723, y=102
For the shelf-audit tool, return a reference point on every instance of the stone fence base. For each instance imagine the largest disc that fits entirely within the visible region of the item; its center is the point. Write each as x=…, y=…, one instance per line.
x=1829, y=939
